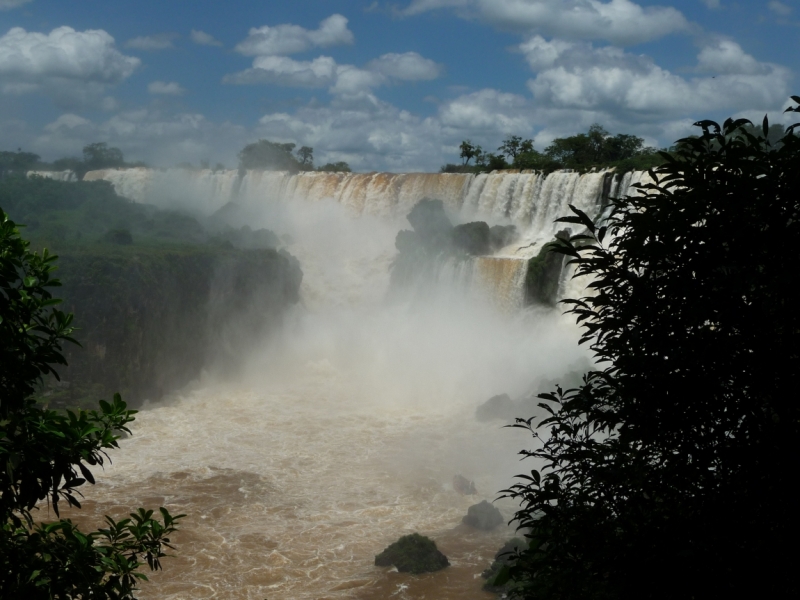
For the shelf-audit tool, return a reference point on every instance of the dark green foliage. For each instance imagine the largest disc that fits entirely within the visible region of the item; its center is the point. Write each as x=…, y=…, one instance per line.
x=543, y=275
x=18, y=163
x=121, y=237
x=337, y=167
x=46, y=455
x=595, y=149
x=472, y=238
x=100, y=156
x=671, y=472
x=413, y=553
x=483, y=515
x=497, y=576
x=272, y=156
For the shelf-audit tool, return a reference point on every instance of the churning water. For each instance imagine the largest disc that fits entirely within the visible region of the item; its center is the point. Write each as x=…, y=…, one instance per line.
x=343, y=431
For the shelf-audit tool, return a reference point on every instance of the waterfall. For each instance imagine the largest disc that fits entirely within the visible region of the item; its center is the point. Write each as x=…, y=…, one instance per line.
x=57, y=175
x=529, y=200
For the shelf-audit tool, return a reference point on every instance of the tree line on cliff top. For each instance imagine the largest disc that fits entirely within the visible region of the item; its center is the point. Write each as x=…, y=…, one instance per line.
x=596, y=148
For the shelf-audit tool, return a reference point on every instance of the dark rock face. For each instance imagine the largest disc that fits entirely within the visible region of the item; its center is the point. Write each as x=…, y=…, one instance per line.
x=498, y=407
x=483, y=516
x=502, y=235
x=472, y=238
x=413, y=553
x=430, y=222
x=464, y=486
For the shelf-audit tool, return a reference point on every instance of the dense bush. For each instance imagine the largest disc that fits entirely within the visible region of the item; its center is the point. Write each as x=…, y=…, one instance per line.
x=670, y=473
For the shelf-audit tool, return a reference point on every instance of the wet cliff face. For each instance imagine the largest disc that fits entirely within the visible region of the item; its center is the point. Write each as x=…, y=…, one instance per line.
x=150, y=320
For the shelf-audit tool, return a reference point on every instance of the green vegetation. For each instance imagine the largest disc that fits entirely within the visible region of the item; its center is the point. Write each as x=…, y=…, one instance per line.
x=272, y=156
x=337, y=167
x=158, y=295
x=671, y=471
x=45, y=453
x=413, y=553
x=595, y=149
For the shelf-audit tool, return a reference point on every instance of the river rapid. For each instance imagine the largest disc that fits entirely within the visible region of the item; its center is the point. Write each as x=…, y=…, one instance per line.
x=338, y=434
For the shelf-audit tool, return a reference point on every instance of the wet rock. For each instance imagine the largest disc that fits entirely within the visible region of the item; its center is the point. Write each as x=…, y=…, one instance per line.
x=464, y=486
x=502, y=235
x=483, y=516
x=413, y=553
x=430, y=222
x=497, y=407
x=472, y=238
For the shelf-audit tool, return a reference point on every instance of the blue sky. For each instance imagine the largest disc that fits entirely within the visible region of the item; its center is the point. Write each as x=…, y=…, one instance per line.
x=392, y=86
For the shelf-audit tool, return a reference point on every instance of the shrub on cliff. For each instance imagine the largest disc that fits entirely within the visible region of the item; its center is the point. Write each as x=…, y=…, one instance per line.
x=671, y=472
x=47, y=455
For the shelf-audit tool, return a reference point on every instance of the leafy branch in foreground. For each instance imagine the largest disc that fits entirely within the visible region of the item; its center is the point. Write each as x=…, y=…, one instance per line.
x=671, y=472
x=46, y=455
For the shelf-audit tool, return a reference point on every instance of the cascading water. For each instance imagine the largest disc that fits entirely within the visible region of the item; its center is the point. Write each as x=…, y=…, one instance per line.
x=344, y=431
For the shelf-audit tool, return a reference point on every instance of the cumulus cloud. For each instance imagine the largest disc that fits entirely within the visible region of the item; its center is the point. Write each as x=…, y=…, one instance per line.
x=204, y=39
x=577, y=75
x=323, y=72
x=70, y=66
x=165, y=88
x=158, y=138
x=620, y=22
x=9, y=4
x=291, y=39
x=408, y=66
x=282, y=70
x=159, y=41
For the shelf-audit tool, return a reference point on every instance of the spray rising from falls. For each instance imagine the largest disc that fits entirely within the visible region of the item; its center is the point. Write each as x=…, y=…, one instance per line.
x=344, y=430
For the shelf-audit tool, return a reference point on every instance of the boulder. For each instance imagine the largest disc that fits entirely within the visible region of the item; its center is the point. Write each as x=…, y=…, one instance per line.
x=498, y=407
x=483, y=516
x=430, y=222
x=502, y=235
x=472, y=238
x=464, y=486
x=413, y=553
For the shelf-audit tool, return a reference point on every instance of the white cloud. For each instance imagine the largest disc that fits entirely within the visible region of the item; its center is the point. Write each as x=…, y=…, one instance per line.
x=408, y=66
x=9, y=4
x=165, y=88
x=780, y=8
x=282, y=70
x=323, y=71
x=72, y=67
x=159, y=41
x=488, y=112
x=726, y=56
x=620, y=22
x=157, y=138
x=290, y=39
x=204, y=39
x=575, y=75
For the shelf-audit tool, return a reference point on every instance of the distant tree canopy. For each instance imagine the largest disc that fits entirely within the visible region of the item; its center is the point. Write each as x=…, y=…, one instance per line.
x=265, y=155
x=337, y=167
x=17, y=162
x=596, y=148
